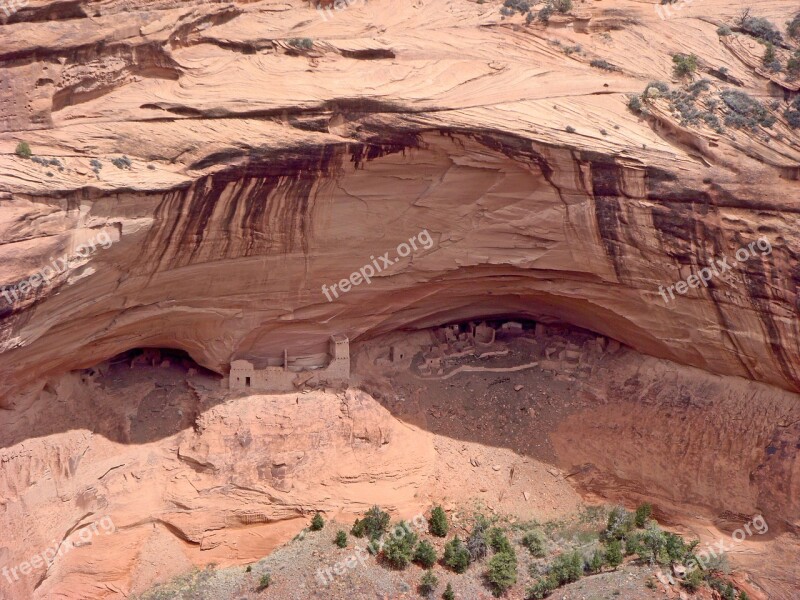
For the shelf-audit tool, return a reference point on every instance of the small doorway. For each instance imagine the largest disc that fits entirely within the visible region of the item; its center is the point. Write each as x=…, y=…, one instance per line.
x=247, y=382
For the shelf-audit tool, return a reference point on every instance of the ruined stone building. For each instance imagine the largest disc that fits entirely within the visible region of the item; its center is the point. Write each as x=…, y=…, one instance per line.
x=291, y=375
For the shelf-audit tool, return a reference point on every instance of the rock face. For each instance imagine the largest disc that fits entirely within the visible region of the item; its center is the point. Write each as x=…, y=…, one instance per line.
x=261, y=170
x=229, y=490
x=204, y=174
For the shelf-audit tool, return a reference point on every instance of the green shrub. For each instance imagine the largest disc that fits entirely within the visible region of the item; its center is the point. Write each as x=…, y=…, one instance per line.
x=264, y=582
x=456, y=555
x=620, y=523
x=374, y=524
x=743, y=595
x=597, y=562
x=425, y=554
x=693, y=580
x=317, y=522
x=341, y=539
x=567, y=567
x=534, y=542
x=653, y=547
x=23, y=150
x=635, y=103
x=723, y=30
x=644, y=510
x=684, y=64
x=449, y=594
x=428, y=584
x=613, y=555
x=437, y=524
x=502, y=571
x=498, y=541
x=542, y=588
x=399, y=548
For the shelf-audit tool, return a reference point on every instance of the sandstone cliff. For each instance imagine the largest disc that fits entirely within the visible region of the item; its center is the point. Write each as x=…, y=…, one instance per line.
x=261, y=170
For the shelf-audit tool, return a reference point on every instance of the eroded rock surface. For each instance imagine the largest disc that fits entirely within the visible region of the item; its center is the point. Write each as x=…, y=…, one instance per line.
x=261, y=171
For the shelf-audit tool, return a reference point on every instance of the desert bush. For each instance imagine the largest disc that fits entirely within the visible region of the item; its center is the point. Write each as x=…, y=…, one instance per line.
x=599, y=63
x=428, y=584
x=597, y=562
x=678, y=551
x=723, y=30
x=317, y=522
x=635, y=103
x=502, y=571
x=619, y=523
x=745, y=111
x=693, y=580
x=545, y=13
x=374, y=524
x=514, y=6
x=476, y=542
x=534, y=542
x=562, y=6
x=437, y=524
x=567, y=567
x=569, y=129
x=264, y=582
x=23, y=150
x=498, y=541
x=541, y=589
x=661, y=87
x=122, y=162
x=792, y=114
x=770, y=59
x=684, y=64
x=793, y=27
x=341, y=539
x=613, y=554
x=456, y=555
x=449, y=594
x=301, y=43
x=644, y=510
x=793, y=66
x=425, y=554
x=760, y=28
x=399, y=548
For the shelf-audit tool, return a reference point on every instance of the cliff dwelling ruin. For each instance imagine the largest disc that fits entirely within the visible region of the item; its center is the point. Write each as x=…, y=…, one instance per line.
x=294, y=373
